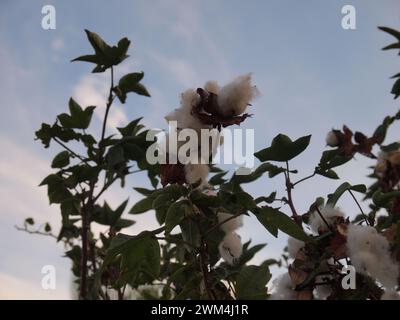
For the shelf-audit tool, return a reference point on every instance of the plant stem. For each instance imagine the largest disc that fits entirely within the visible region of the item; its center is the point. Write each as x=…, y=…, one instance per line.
x=70, y=150
x=304, y=179
x=108, y=106
x=359, y=206
x=88, y=207
x=25, y=229
x=289, y=187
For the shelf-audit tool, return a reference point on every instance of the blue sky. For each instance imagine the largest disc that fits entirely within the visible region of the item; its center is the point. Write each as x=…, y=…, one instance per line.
x=312, y=74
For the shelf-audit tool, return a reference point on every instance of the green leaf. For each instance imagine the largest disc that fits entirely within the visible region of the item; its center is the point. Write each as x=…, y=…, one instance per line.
x=131, y=128
x=61, y=160
x=283, y=148
x=271, y=198
x=176, y=212
x=396, y=89
x=381, y=199
x=272, y=218
x=391, y=31
x=140, y=255
x=130, y=83
x=190, y=232
x=105, y=56
x=251, y=282
x=144, y=191
x=78, y=118
x=218, y=179
x=141, y=206
x=328, y=173
x=334, y=197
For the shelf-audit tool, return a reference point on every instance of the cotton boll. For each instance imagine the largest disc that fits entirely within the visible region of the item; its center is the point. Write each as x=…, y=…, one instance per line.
x=283, y=288
x=381, y=164
x=231, y=247
x=390, y=295
x=322, y=291
x=370, y=255
x=234, y=98
x=212, y=86
x=183, y=115
x=294, y=246
x=330, y=214
x=196, y=172
x=331, y=139
x=189, y=98
x=231, y=224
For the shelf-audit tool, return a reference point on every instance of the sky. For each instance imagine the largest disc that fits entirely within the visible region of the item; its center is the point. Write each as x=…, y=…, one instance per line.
x=313, y=75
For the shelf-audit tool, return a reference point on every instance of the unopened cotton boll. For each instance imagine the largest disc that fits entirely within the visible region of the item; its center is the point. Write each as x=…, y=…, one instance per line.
x=331, y=139
x=230, y=225
x=231, y=247
x=212, y=87
x=283, y=288
x=369, y=253
x=234, y=97
x=197, y=172
x=329, y=213
x=294, y=246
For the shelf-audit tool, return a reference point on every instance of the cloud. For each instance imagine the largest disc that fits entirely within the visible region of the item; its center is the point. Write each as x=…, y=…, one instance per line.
x=92, y=90
x=57, y=44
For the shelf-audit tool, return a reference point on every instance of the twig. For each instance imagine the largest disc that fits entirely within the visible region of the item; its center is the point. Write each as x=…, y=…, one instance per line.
x=359, y=206
x=323, y=218
x=70, y=150
x=233, y=216
x=304, y=179
x=25, y=229
x=289, y=187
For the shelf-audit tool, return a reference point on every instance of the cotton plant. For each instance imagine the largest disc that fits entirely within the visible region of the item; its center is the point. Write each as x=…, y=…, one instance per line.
x=197, y=251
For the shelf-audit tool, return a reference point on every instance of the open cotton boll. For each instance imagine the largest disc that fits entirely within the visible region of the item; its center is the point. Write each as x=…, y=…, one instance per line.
x=370, y=255
x=234, y=98
x=231, y=247
x=381, y=164
x=390, y=295
x=212, y=86
x=331, y=139
x=183, y=115
x=196, y=172
x=329, y=213
x=283, y=288
x=231, y=224
x=322, y=291
x=294, y=246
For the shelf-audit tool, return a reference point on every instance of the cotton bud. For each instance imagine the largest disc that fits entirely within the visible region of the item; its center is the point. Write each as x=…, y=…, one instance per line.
x=231, y=247
x=331, y=139
x=234, y=98
x=369, y=253
x=230, y=225
x=283, y=288
x=330, y=215
x=197, y=172
x=294, y=247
